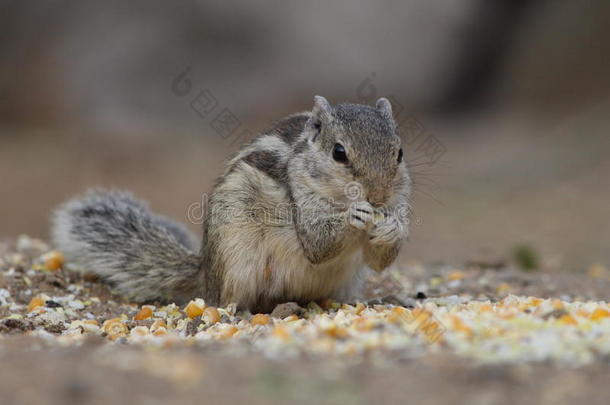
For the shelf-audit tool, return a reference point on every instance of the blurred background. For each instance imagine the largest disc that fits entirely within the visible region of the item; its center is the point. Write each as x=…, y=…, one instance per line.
x=504, y=107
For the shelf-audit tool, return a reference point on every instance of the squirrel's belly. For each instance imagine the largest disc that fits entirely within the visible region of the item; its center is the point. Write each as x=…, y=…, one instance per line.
x=291, y=277
x=273, y=269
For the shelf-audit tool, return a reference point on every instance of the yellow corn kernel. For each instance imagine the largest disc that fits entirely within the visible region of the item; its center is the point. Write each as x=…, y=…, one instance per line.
x=114, y=328
x=194, y=309
x=291, y=318
x=600, y=314
x=432, y=331
x=53, y=260
x=260, y=319
x=144, y=313
x=336, y=332
x=400, y=314
x=359, y=308
x=211, y=315
x=228, y=332
x=568, y=319
x=35, y=303
x=364, y=324
x=400, y=311
x=160, y=331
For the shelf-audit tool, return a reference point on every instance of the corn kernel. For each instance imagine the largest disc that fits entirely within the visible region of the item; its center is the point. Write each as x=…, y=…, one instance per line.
x=599, y=314
x=53, y=260
x=160, y=331
x=400, y=314
x=363, y=324
x=144, y=313
x=400, y=311
x=228, y=332
x=568, y=319
x=194, y=308
x=336, y=332
x=114, y=328
x=211, y=315
x=260, y=319
x=557, y=304
x=35, y=303
x=158, y=324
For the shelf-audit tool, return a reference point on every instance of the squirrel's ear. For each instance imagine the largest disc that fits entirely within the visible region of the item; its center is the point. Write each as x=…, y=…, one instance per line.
x=322, y=109
x=385, y=108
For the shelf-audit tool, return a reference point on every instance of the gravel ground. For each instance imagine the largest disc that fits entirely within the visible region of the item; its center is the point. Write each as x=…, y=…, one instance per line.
x=481, y=333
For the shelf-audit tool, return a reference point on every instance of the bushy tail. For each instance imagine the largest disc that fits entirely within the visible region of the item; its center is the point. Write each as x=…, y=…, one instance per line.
x=143, y=256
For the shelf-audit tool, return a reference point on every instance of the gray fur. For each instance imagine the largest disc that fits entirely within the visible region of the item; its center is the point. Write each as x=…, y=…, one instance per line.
x=146, y=257
x=278, y=227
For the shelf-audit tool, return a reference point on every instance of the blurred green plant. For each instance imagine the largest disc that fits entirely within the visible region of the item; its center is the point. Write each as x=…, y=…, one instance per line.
x=525, y=257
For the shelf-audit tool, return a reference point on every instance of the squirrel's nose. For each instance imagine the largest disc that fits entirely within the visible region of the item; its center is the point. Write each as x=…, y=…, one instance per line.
x=377, y=197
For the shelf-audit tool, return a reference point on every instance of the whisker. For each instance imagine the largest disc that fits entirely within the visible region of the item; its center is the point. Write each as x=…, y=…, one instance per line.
x=430, y=196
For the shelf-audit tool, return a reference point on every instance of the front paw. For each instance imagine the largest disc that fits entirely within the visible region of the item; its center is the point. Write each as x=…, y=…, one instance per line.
x=387, y=230
x=360, y=214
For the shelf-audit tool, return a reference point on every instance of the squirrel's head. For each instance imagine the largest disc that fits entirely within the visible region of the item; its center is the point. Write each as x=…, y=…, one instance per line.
x=351, y=146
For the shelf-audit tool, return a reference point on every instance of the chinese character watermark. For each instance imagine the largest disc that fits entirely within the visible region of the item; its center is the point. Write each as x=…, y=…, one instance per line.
x=207, y=106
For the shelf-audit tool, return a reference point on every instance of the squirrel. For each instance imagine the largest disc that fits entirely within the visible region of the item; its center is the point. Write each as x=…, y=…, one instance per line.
x=299, y=214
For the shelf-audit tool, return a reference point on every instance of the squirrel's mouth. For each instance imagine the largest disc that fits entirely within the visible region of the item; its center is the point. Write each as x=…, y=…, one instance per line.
x=378, y=196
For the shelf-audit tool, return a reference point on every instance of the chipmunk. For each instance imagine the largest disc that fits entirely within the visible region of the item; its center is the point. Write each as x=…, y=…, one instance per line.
x=299, y=214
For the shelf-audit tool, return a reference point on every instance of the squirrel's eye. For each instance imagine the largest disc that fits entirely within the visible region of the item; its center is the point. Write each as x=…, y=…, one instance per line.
x=339, y=153
x=400, y=155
